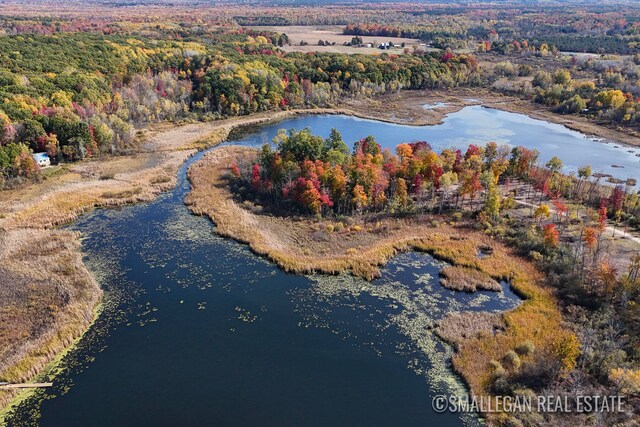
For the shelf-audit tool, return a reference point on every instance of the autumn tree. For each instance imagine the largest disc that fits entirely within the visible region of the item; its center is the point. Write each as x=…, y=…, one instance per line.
x=447, y=181
x=492, y=202
x=542, y=211
x=550, y=236
x=400, y=194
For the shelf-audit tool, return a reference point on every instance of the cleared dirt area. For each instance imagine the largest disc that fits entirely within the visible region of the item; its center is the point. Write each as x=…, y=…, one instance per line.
x=333, y=34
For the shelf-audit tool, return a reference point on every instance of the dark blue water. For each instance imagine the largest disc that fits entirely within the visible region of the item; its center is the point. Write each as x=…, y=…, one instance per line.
x=198, y=331
x=477, y=125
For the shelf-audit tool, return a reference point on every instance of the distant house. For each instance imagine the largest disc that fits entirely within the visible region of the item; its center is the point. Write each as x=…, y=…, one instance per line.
x=42, y=159
x=389, y=45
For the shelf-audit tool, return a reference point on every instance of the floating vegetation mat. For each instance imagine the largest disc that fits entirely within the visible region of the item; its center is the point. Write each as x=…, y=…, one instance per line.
x=410, y=299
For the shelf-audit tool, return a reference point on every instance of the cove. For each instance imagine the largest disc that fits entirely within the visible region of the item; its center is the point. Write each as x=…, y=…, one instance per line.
x=197, y=330
x=476, y=125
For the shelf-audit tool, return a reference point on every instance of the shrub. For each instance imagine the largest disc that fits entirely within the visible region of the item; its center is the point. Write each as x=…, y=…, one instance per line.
x=511, y=360
x=628, y=380
x=536, y=256
x=330, y=228
x=497, y=368
x=525, y=348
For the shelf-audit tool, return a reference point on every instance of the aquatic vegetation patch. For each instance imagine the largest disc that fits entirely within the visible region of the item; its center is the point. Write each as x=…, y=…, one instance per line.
x=398, y=304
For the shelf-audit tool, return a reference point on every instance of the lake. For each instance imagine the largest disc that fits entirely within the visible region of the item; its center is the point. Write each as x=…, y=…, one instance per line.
x=476, y=125
x=197, y=330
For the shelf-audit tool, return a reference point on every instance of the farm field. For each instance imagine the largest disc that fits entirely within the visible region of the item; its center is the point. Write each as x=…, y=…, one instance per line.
x=333, y=34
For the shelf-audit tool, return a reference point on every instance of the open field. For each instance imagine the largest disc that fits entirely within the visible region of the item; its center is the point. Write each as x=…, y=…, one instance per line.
x=333, y=34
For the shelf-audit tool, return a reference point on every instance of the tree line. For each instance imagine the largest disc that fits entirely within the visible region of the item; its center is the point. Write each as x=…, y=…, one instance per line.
x=77, y=95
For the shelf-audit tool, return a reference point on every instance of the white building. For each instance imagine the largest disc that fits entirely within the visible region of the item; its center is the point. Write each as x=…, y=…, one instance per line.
x=42, y=159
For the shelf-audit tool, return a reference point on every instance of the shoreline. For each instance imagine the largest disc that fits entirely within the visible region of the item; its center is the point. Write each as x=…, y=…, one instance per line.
x=82, y=187
x=458, y=98
x=603, y=134
x=37, y=209
x=53, y=305
x=166, y=156
x=52, y=368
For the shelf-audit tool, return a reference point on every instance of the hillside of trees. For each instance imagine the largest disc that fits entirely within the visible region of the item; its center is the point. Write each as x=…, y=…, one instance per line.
x=76, y=95
x=605, y=92
x=80, y=87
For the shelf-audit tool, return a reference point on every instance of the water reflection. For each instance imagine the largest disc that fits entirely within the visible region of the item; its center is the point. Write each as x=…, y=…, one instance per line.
x=476, y=125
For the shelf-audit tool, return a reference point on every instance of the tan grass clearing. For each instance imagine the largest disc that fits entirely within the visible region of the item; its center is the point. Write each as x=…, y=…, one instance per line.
x=456, y=327
x=47, y=300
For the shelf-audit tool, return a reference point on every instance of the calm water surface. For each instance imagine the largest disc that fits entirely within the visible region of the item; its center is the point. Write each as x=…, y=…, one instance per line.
x=198, y=331
x=477, y=125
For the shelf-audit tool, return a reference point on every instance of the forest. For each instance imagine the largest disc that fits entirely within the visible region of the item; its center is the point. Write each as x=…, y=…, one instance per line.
x=108, y=86
x=119, y=74
x=605, y=90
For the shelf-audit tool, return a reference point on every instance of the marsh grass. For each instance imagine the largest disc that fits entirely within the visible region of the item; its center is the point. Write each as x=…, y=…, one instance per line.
x=215, y=137
x=47, y=300
x=467, y=279
x=125, y=194
x=239, y=127
x=40, y=316
x=455, y=327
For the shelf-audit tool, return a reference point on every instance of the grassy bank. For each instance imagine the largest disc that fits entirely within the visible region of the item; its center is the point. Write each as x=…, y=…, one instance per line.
x=308, y=246
x=303, y=245
x=48, y=301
